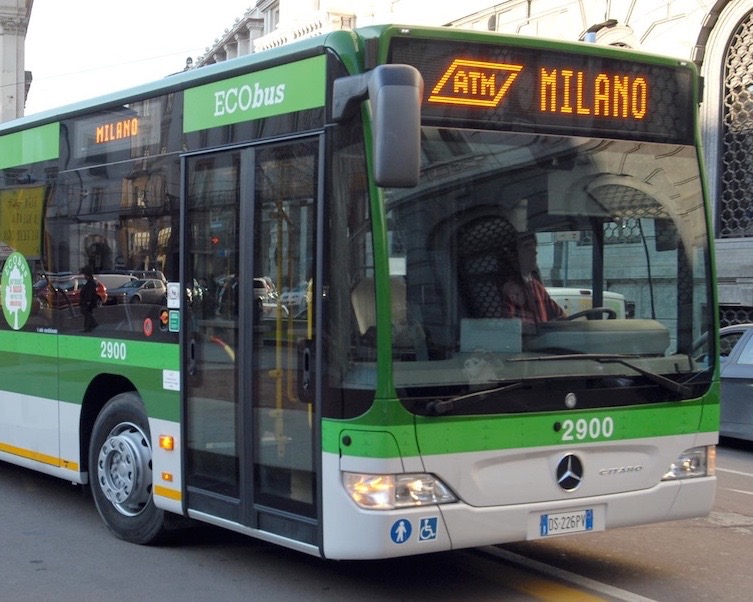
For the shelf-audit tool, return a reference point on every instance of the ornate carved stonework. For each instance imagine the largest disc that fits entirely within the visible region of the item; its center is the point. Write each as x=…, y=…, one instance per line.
x=13, y=25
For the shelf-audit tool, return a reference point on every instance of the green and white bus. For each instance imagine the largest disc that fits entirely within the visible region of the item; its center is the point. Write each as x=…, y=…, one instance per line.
x=327, y=353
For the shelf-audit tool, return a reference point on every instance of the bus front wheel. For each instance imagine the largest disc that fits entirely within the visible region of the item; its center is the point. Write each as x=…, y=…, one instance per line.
x=120, y=471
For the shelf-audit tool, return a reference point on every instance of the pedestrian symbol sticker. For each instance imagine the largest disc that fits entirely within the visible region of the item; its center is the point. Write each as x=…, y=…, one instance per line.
x=427, y=529
x=401, y=531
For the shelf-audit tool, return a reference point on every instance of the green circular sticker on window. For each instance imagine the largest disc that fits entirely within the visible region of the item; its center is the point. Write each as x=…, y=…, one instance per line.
x=15, y=290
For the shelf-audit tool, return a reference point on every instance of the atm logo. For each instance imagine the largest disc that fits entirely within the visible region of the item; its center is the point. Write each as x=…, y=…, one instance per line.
x=474, y=83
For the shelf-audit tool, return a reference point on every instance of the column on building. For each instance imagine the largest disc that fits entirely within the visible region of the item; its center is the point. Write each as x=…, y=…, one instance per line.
x=255, y=29
x=14, y=20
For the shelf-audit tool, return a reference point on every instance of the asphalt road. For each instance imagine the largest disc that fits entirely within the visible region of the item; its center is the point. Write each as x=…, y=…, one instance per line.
x=54, y=547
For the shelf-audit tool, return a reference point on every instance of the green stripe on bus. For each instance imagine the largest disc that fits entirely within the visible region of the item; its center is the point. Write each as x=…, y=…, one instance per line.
x=76, y=377
x=134, y=354
x=28, y=343
x=30, y=146
x=63, y=367
x=569, y=428
x=294, y=87
x=451, y=434
x=37, y=377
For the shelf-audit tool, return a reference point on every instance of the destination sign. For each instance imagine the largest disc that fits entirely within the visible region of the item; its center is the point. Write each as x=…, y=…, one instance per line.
x=115, y=134
x=546, y=90
x=116, y=130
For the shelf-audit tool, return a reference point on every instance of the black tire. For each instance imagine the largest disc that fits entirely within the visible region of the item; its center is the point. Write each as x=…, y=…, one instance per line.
x=120, y=471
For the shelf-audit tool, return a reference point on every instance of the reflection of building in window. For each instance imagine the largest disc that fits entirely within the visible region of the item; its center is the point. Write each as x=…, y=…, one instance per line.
x=622, y=231
x=98, y=253
x=624, y=202
x=138, y=250
x=97, y=194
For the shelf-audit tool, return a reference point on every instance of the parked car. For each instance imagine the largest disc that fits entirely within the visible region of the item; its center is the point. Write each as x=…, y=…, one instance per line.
x=265, y=289
x=65, y=291
x=113, y=282
x=297, y=296
x=150, y=290
x=146, y=274
x=736, y=370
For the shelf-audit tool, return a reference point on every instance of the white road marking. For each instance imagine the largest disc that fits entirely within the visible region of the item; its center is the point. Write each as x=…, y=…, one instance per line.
x=744, y=474
x=579, y=580
x=738, y=491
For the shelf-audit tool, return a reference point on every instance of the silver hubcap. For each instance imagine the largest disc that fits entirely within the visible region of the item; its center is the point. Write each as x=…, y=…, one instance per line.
x=124, y=469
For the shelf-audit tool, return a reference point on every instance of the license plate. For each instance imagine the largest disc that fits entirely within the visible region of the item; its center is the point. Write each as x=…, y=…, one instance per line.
x=560, y=523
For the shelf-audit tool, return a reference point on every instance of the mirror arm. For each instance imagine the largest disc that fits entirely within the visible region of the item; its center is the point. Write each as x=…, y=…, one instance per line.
x=347, y=94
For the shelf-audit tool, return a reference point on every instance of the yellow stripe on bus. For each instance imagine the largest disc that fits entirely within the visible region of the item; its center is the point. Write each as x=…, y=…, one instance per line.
x=172, y=494
x=37, y=457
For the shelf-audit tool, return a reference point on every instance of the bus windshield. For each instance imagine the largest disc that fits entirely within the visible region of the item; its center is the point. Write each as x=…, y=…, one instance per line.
x=517, y=248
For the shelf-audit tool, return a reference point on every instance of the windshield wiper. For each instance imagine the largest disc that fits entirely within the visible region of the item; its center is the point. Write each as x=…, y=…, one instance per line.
x=442, y=406
x=683, y=390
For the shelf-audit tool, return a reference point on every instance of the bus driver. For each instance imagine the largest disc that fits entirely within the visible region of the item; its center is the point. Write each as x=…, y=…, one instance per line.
x=525, y=296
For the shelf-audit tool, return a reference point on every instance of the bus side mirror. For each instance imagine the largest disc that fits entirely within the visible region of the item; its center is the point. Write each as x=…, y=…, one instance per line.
x=394, y=93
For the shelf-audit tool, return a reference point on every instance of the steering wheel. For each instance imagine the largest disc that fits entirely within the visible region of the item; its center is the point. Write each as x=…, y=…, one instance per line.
x=593, y=313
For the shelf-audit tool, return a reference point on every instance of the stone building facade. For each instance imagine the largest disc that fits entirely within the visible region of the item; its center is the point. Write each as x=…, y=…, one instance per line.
x=14, y=81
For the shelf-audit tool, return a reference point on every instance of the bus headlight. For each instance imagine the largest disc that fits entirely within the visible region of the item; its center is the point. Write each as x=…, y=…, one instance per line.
x=695, y=462
x=390, y=491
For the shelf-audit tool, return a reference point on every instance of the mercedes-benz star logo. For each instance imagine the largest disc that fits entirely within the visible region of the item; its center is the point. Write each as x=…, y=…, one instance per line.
x=569, y=472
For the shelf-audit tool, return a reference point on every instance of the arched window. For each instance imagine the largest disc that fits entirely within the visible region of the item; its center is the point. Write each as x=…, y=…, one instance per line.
x=735, y=210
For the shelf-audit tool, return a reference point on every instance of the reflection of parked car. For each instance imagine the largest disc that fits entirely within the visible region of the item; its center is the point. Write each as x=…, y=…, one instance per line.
x=265, y=295
x=269, y=309
x=271, y=300
x=265, y=289
x=296, y=296
x=112, y=282
x=147, y=274
x=65, y=291
x=150, y=290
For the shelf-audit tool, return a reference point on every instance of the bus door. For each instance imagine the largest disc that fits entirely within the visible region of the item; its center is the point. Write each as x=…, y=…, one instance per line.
x=249, y=265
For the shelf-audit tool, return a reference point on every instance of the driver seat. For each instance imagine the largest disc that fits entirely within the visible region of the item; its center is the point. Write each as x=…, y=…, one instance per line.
x=486, y=251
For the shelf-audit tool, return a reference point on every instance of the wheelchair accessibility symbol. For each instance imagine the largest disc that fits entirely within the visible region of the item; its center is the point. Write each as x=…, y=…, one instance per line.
x=427, y=529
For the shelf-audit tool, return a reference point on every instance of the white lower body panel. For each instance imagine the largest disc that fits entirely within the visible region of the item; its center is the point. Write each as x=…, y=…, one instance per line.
x=354, y=533
x=41, y=434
